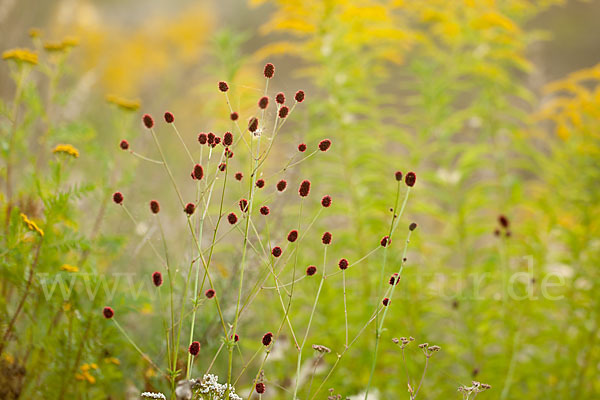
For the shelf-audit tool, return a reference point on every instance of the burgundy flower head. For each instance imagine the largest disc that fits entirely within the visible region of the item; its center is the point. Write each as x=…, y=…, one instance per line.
x=118, y=197
x=326, y=201
x=154, y=206
x=394, y=279
x=281, y=185
x=503, y=221
x=236, y=338
x=267, y=338
x=189, y=208
x=260, y=183
x=202, y=138
x=216, y=141
x=269, y=70
x=398, y=175
x=410, y=179
x=198, y=172
x=302, y=147
x=311, y=270
x=232, y=218
x=324, y=144
x=194, y=348
x=239, y=176
x=343, y=264
x=292, y=236
x=304, y=188
x=211, y=138
x=326, y=238
x=385, y=301
x=253, y=124
x=283, y=112
x=412, y=226
x=385, y=241
x=148, y=121
x=276, y=251
x=280, y=98
x=222, y=167
x=228, y=153
x=234, y=116
x=228, y=139
x=264, y=210
x=169, y=117
x=260, y=388
x=157, y=279
x=299, y=97
x=210, y=293
x=223, y=86
x=124, y=145
x=263, y=102
x=243, y=205
x=108, y=312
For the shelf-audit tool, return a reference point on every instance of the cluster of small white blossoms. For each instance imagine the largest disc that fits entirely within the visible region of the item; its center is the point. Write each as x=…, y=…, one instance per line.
x=209, y=388
x=152, y=395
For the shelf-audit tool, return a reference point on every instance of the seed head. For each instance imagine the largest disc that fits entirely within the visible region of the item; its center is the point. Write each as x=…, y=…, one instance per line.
x=228, y=139
x=311, y=270
x=385, y=241
x=169, y=117
x=398, y=175
x=283, y=112
x=324, y=144
x=253, y=124
x=210, y=293
x=260, y=183
x=263, y=102
x=260, y=388
x=148, y=121
x=118, y=197
x=223, y=86
x=302, y=147
x=326, y=238
x=189, y=208
x=232, y=218
x=154, y=206
x=385, y=301
x=267, y=338
x=194, y=348
x=124, y=145
x=299, y=97
x=292, y=236
x=343, y=264
x=326, y=201
x=239, y=176
x=281, y=185
x=108, y=312
x=243, y=205
x=269, y=70
x=264, y=210
x=304, y=188
x=503, y=221
x=276, y=251
x=412, y=226
x=234, y=116
x=198, y=172
x=410, y=179
x=157, y=279
x=280, y=98
x=202, y=138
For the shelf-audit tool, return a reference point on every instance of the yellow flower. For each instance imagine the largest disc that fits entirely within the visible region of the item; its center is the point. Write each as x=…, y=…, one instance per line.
x=79, y=377
x=65, y=44
x=94, y=365
x=112, y=360
x=89, y=377
x=69, y=268
x=66, y=306
x=85, y=367
x=31, y=225
x=126, y=104
x=66, y=149
x=35, y=32
x=21, y=55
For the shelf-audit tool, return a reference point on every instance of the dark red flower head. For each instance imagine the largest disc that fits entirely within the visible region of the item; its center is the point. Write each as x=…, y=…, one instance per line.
x=222, y=167
x=223, y=86
x=283, y=112
x=292, y=236
x=236, y=338
x=260, y=183
x=326, y=239
x=304, y=188
x=210, y=293
x=412, y=226
x=202, y=138
x=148, y=121
x=198, y=172
x=503, y=221
x=108, y=312
x=239, y=176
x=394, y=279
x=169, y=117
x=228, y=153
x=194, y=348
x=264, y=210
x=210, y=138
x=118, y=197
x=276, y=251
x=281, y=185
x=263, y=102
x=311, y=270
x=216, y=141
x=189, y=208
x=228, y=139
x=154, y=206
x=343, y=264
x=269, y=70
x=260, y=388
x=398, y=175
x=280, y=98
x=243, y=205
x=124, y=145
x=299, y=97
x=234, y=116
x=324, y=144
x=385, y=241
x=326, y=201
x=385, y=301
x=253, y=124
x=232, y=218
x=267, y=338
x=157, y=279
x=302, y=147
x=410, y=179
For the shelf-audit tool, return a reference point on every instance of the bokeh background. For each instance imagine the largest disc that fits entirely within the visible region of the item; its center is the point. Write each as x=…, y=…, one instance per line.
x=494, y=104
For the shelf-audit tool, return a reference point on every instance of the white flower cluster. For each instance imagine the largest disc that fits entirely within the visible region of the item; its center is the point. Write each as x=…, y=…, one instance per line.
x=210, y=388
x=152, y=395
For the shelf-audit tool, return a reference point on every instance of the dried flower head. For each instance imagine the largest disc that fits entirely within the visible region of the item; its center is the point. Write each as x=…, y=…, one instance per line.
x=232, y=218
x=398, y=175
x=189, y=208
x=154, y=206
x=169, y=117
x=326, y=238
x=412, y=226
x=210, y=293
x=385, y=301
x=124, y=145
x=311, y=270
x=292, y=236
x=304, y=189
x=260, y=388
x=234, y=116
x=264, y=210
x=223, y=86
x=281, y=185
x=118, y=197
x=157, y=279
x=276, y=251
x=343, y=264
x=243, y=205
x=410, y=179
x=302, y=147
x=267, y=338
x=326, y=201
x=253, y=124
x=280, y=98
x=385, y=241
x=324, y=144
x=194, y=348
x=263, y=102
x=321, y=349
x=260, y=183
x=269, y=70
x=148, y=121
x=238, y=176
x=283, y=112
x=202, y=138
x=299, y=97
x=228, y=139
x=198, y=172
x=108, y=312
